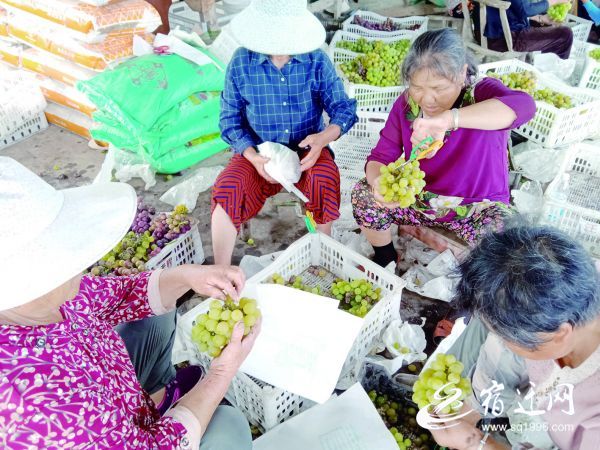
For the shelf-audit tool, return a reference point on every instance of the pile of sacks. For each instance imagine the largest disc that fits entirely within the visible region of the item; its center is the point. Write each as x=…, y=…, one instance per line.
x=67, y=41
x=161, y=106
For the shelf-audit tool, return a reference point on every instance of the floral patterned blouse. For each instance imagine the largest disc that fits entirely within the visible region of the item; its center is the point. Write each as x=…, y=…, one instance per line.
x=71, y=385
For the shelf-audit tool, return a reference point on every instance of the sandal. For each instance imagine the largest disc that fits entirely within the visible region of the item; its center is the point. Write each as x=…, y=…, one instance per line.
x=442, y=330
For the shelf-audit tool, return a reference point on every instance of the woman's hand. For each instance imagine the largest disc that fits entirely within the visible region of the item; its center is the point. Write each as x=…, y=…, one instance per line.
x=236, y=352
x=216, y=281
x=379, y=198
x=434, y=127
x=316, y=142
x=459, y=435
x=258, y=162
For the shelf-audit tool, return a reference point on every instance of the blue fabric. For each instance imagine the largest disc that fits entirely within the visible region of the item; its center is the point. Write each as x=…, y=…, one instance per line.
x=593, y=11
x=263, y=103
x=518, y=17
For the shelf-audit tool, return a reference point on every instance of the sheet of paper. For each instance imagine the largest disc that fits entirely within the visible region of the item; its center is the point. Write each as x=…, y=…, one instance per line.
x=347, y=422
x=304, y=341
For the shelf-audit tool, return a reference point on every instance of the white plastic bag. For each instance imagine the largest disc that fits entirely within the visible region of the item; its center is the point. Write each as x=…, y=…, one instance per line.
x=399, y=335
x=536, y=162
x=283, y=166
x=124, y=166
x=433, y=281
x=551, y=65
x=186, y=192
x=529, y=198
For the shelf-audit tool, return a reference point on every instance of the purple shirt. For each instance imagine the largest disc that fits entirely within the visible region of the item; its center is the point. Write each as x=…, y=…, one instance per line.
x=472, y=164
x=72, y=384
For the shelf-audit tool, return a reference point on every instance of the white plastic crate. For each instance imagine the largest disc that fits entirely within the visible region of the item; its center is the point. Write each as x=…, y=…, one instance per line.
x=369, y=98
x=29, y=128
x=186, y=249
x=579, y=214
x=404, y=22
x=581, y=27
x=551, y=126
x=182, y=16
x=591, y=71
x=319, y=250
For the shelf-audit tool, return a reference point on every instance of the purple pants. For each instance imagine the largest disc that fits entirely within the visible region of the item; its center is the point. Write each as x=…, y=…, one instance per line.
x=545, y=39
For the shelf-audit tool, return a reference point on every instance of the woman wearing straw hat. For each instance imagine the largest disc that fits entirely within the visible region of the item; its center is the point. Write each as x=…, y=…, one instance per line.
x=67, y=379
x=278, y=84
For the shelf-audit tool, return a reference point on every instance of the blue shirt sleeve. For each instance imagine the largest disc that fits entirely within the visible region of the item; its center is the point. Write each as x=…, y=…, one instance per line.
x=233, y=124
x=340, y=108
x=534, y=8
x=593, y=11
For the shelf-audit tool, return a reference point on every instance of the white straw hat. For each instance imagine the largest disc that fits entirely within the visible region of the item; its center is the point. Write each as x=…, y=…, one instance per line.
x=278, y=27
x=48, y=236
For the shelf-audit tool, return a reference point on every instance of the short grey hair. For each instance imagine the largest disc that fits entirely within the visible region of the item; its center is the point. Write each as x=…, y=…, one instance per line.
x=442, y=52
x=526, y=281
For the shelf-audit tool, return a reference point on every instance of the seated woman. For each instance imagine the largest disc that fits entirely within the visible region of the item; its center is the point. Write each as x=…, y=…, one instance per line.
x=549, y=39
x=68, y=380
x=537, y=291
x=278, y=84
x=467, y=180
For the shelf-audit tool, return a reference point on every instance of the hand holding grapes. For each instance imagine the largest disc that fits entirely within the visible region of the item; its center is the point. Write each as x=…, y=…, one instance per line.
x=238, y=349
x=217, y=281
x=459, y=434
x=379, y=197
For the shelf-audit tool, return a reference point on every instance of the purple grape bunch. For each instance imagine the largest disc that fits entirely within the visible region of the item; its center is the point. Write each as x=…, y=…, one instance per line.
x=143, y=218
x=388, y=25
x=168, y=227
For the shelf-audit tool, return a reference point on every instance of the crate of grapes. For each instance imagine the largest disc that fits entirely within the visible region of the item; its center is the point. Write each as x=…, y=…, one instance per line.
x=318, y=261
x=564, y=114
x=591, y=72
x=572, y=200
x=264, y=405
x=186, y=249
x=373, y=90
x=371, y=25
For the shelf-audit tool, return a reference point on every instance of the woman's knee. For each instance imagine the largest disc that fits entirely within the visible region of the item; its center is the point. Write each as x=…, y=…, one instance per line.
x=227, y=430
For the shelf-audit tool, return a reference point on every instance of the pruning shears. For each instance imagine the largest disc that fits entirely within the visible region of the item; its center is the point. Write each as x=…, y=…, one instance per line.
x=416, y=153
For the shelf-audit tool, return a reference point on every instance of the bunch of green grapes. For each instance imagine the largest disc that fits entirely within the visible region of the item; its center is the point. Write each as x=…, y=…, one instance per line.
x=557, y=99
x=212, y=331
x=380, y=66
x=400, y=420
x=522, y=81
x=558, y=13
x=401, y=184
x=356, y=296
x=595, y=54
x=127, y=257
x=295, y=282
x=444, y=371
x=359, y=46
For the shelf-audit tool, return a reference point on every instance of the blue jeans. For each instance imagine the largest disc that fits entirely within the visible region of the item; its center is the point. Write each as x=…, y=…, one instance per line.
x=149, y=343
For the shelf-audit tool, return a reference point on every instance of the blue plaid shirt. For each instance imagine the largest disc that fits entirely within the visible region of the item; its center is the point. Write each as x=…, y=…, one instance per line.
x=262, y=103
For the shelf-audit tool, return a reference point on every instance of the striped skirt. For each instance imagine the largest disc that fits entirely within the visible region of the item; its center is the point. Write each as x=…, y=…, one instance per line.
x=242, y=192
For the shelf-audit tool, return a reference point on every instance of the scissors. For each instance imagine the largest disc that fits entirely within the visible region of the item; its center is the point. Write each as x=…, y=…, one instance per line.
x=416, y=155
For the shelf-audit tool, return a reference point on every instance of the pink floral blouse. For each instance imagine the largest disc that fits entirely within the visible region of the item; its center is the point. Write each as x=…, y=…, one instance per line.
x=71, y=385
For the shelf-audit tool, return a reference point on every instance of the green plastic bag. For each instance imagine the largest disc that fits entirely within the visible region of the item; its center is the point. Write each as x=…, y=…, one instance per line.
x=197, y=115
x=138, y=92
x=183, y=157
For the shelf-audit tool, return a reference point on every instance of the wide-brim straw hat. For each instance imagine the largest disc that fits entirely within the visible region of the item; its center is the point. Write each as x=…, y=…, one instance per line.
x=49, y=236
x=278, y=27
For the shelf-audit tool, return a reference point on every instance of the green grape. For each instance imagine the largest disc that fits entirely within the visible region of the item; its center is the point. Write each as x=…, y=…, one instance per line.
x=522, y=81
x=444, y=372
x=554, y=98
x=211, y=332
x=401, y=185
x=595, y=54
x=559, y=12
